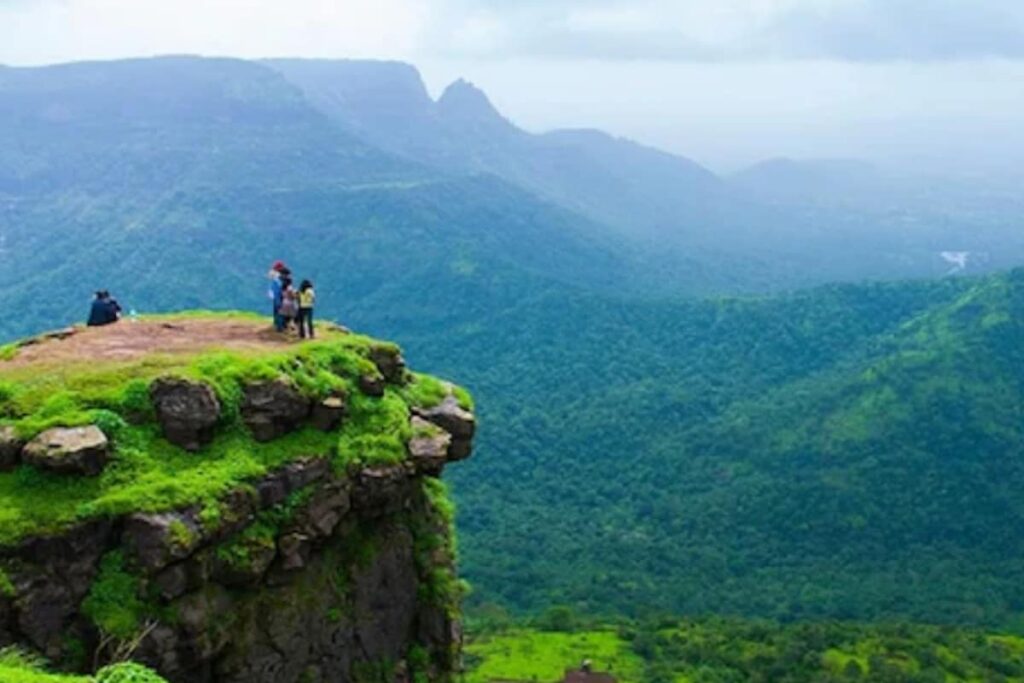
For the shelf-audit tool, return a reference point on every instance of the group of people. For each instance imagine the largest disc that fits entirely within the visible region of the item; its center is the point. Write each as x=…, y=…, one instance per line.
x=293, y=308
x=104, y=310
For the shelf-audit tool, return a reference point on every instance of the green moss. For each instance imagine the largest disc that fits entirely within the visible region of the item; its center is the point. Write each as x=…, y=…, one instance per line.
x=149, y=474
x=128, y=672
x=262, y=533
x=464, y=398
x=6, y=585
x=181, y=535
x=418, y=660
x=16, y=667
x=376, y=432
x=435, y=551
x=373, y=672
x=113, y=601
x=424, y=391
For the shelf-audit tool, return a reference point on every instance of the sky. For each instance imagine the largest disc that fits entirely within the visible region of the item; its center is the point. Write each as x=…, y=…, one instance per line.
x=918, y=83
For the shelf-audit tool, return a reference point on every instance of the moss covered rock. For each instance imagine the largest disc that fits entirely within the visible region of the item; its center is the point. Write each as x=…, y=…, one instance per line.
x=255, y=514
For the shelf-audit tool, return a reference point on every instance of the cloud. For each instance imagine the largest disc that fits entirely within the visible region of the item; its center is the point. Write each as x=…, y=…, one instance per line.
x=33, y=31
x=729, y=30
x=42, y=31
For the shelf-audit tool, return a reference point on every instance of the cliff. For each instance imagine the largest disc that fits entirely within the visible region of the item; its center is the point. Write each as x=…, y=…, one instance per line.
x=200, y=496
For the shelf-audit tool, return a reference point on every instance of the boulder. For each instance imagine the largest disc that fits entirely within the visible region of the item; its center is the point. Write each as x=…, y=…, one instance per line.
x=172, y=582
x=51, y=578
x=155, y=540
x=451, y=417
x=187, y=411
x=245, y=570
x=61, y=335
x=273, y=409
x=10, y=449
x=328, y=414
x=372, y=385
x=428, y=448
x=294, y=549
x=321, y=514
x=389, y=362
x=74, y=450
x=277, y=485
x=379, y=491
x=454, y=419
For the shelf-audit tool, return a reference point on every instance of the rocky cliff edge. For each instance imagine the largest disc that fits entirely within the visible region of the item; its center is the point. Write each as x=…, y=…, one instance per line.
x=201, y=496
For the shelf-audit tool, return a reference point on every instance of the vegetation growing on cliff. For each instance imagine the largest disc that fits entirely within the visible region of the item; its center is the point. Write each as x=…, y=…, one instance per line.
x=850, y=452
x=243, y=480
x=150, y=474
x=16, y=667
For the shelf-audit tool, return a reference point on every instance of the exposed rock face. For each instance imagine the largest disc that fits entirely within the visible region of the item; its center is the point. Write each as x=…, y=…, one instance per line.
x=309, y=575
x=372, y=385
x=389, y=363
x=328, y=414
x=10, y=449
x=429, y=446
x=329, y=565
x=457, y=421
x=52, y=576
x=187, y=411
x=75, y=450
x=273, y=409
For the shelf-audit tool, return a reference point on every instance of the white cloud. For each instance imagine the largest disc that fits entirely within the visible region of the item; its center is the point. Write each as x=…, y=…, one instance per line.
x=33, y=31
x=751, y=30
x=41, y=31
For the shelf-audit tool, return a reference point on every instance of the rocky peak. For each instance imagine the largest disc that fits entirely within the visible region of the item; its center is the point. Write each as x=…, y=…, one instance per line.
x=464, y=102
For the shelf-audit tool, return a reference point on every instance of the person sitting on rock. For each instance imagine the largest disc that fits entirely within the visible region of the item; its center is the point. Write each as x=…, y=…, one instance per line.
x=104, y=310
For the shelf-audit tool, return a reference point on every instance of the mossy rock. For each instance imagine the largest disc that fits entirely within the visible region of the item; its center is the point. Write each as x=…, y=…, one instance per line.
x=104, y=377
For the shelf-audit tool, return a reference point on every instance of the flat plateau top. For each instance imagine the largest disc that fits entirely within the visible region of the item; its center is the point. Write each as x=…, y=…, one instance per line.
x=131, y=340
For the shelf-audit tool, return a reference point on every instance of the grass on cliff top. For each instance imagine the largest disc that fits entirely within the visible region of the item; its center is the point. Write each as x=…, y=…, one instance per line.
x=149, y=474
x=16, y=667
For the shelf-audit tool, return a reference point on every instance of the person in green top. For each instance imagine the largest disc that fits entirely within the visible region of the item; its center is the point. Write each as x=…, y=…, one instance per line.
x=307, y=297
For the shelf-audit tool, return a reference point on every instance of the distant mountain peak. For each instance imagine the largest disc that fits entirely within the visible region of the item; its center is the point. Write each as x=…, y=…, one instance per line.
x=463, y=100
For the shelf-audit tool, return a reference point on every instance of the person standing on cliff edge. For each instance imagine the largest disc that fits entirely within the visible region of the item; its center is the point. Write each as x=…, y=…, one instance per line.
x=276, y=292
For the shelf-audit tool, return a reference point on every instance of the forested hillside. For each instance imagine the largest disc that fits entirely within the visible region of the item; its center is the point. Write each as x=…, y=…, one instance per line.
x=851, y=451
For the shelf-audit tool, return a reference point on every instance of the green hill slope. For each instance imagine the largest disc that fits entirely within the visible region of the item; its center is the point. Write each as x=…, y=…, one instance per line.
x=850, y=452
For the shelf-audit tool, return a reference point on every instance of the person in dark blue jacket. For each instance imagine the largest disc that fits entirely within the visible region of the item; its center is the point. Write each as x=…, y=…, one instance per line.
x=104, y=310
